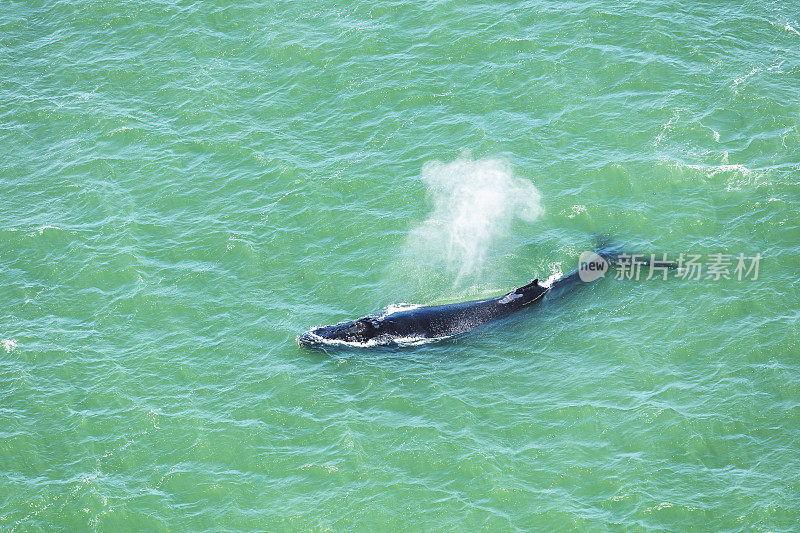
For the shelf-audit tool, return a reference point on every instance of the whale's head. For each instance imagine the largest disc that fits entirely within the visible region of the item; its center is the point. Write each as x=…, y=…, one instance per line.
x=358, y=331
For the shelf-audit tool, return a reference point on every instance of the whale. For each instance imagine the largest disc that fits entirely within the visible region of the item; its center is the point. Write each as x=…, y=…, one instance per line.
x=423, y=323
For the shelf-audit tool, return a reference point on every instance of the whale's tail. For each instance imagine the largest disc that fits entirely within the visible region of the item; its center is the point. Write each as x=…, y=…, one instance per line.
x=609, y=249
x=605, y=250
x=616, y=255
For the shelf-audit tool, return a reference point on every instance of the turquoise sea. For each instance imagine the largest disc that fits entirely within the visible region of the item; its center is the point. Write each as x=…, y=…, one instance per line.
x=187, y=186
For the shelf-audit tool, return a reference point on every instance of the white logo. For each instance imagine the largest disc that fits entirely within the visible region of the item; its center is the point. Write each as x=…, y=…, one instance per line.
x=591, y=266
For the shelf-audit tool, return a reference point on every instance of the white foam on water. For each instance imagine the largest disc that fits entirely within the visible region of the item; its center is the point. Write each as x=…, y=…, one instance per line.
x=378, y=341
x=711, y=170
x=777, y=66
x=41, y=229
x=9, y=344
x=667, y=127
x=474, y=202
x=739, y=80
x=556, y=275
x=738, y=176
x=577, y=210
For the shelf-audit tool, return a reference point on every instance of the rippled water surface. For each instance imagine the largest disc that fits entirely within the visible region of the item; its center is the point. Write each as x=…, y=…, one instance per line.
x=187, y=186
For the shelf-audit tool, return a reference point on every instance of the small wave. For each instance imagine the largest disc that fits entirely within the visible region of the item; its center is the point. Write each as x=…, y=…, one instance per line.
x=312, y=339
x=716, y=169
x=738, y=176
x=667, y=127
x=42, y=229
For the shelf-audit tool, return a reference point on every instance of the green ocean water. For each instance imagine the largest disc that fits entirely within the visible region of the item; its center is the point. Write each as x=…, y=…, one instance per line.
x=187, y=186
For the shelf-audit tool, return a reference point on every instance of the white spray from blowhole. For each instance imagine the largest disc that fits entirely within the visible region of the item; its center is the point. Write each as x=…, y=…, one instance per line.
x=474, y=203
